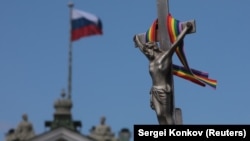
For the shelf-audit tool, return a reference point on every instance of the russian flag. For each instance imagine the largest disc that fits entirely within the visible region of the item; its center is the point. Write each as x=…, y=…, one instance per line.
x=84, y=24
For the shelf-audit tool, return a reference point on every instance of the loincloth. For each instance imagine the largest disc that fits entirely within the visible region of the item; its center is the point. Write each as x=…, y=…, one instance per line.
x=159, y=94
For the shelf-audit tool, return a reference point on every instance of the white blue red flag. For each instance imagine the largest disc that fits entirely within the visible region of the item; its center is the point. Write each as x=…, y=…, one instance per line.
x=84, y=24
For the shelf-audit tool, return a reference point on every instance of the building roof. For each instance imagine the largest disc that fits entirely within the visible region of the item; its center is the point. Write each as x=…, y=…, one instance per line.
x=61, y=134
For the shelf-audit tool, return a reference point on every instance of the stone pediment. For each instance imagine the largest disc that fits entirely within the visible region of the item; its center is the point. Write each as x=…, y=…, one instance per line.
x=61, y=134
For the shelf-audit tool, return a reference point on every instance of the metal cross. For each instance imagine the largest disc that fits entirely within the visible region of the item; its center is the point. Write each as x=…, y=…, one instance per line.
x=164, y=40
x=165, y=44
x=163, y=11
x=160, y=65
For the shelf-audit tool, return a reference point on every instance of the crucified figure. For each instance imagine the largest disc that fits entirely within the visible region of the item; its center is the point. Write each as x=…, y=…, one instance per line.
x=160, y=69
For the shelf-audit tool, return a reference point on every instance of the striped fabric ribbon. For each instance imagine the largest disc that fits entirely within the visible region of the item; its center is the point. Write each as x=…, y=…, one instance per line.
x=174, y=29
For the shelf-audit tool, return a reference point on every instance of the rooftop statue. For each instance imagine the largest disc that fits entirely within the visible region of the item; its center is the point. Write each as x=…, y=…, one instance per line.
x=25, y=129
x=23, y=132
x=102, y=132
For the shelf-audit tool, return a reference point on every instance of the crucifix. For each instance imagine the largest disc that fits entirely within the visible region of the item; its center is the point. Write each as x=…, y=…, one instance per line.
x=159, y=50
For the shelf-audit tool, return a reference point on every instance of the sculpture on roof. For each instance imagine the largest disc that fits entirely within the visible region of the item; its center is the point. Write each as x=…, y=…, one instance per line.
x=23, y=132
x=25, y=129
x=102, y=132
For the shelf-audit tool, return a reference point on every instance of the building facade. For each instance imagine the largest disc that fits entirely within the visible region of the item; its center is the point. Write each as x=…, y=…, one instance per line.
x=64, y=128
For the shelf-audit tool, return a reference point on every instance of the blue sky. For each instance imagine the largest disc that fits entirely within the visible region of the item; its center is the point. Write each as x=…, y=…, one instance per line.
x=110, y=75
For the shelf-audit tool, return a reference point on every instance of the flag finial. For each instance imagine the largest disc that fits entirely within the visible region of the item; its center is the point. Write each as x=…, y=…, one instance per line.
x=70, y=4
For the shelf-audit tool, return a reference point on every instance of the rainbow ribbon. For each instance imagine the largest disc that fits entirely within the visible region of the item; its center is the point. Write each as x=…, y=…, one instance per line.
x=174, y=29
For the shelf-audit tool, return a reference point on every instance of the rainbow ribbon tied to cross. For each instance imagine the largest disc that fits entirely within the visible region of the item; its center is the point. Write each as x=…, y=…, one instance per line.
x=174, y=29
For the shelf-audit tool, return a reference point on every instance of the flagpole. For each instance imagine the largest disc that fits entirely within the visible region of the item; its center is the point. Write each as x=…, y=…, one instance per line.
x=70, y=52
